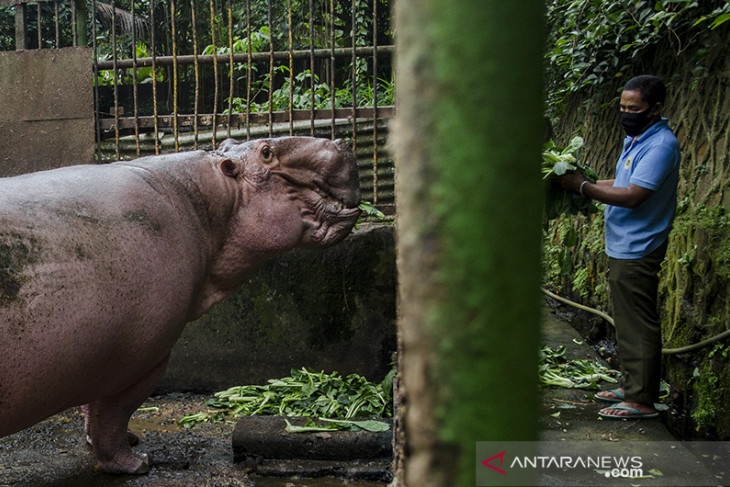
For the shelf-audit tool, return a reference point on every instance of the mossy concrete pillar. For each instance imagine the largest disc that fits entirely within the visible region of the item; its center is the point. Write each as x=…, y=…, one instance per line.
x=467, y=141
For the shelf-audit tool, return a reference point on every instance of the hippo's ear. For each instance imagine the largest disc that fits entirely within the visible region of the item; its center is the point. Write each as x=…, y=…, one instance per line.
x=230, y=168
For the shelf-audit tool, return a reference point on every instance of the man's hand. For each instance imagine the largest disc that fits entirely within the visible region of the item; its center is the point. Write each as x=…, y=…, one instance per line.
x=604, y=191
x=570, y=180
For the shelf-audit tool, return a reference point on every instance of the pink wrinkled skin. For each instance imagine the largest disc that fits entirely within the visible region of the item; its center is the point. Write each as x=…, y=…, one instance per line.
x=101, y=266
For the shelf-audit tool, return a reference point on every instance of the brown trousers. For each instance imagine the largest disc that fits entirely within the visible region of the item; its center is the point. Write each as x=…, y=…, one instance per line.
x=634, y=284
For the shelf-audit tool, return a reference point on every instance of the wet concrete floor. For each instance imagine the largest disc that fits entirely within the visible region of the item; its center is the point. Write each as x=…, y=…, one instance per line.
x=570, y=425
x=572, y=414
x=54, y=453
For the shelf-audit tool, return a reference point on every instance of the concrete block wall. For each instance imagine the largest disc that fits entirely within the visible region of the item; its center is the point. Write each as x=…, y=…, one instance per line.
x=331, y=310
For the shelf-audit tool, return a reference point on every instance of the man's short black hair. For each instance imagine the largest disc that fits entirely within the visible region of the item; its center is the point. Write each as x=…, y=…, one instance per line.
x=650, y=87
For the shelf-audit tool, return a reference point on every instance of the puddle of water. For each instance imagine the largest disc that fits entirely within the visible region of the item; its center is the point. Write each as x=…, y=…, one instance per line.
x=144, y=425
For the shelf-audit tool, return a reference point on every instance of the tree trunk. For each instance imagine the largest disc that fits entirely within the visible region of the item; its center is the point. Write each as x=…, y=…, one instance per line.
x=468, y=138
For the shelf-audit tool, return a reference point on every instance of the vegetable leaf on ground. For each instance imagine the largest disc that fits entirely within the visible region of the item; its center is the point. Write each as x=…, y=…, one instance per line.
x=556, y=370
x=304, y=393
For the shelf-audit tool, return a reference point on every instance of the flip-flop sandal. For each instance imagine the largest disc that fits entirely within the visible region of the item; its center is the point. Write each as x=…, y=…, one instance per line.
x=635, y=413
x=616, y=392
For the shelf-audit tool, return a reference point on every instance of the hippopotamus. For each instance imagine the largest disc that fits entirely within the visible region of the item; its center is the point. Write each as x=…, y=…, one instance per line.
x=101, y=267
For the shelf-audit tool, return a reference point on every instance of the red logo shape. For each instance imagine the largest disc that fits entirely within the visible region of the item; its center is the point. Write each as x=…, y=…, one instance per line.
x=501, y=461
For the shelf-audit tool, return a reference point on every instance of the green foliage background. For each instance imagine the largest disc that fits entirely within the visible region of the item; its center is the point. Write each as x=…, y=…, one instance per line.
x=261, y=25
x=594, y=42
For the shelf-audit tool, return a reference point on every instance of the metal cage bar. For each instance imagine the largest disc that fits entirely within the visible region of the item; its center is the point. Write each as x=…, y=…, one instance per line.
x=196, y=75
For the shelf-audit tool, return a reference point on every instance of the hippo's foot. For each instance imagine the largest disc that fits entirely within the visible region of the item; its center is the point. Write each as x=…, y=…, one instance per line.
x=114, y=454
x=126, y=462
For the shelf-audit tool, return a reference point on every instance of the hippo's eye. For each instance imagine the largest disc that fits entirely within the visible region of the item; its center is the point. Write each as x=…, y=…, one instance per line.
x=266, y=152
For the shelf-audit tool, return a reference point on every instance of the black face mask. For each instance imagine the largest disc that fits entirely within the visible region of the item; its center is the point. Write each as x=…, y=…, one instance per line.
x=634, y=123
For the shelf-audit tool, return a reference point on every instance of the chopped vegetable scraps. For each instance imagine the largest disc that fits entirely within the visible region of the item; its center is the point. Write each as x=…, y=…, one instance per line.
x=304, y=393
x=555, y=370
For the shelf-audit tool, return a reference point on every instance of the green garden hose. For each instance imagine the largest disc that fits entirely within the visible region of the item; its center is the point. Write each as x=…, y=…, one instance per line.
x=665, y=351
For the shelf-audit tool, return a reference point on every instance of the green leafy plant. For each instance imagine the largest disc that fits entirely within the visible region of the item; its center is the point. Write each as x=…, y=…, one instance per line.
x=304, y=393
x=125, y=76
x=385, y=92
x=581, y=281
x=370, y=210
x=259, y=42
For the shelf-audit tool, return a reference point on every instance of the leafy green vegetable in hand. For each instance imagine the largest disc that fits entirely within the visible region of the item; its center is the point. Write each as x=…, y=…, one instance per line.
x=557, y=162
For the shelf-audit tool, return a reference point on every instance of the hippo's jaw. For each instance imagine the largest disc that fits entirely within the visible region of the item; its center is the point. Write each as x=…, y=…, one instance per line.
x=328, y=190
x=328, y=220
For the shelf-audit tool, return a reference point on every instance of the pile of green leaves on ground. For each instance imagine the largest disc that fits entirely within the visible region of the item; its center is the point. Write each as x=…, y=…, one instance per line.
x=557, y=161
x=555, y=370
x=304, y=393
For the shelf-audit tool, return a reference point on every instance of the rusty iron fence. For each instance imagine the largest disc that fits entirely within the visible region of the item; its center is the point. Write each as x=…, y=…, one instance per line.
x=172, y=75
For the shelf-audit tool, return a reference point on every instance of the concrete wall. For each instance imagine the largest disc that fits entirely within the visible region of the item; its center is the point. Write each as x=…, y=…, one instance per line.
x=46, y=109
x=331, y=310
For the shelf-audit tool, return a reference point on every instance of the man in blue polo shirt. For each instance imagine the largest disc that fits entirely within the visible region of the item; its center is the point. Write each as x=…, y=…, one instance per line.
x=640, y=207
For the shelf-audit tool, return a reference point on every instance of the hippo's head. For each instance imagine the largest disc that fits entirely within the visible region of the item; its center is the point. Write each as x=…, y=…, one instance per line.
x=297, y=191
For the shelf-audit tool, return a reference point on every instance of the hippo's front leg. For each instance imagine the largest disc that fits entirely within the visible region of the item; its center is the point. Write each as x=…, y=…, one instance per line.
x=131, y=437
x=107, y=420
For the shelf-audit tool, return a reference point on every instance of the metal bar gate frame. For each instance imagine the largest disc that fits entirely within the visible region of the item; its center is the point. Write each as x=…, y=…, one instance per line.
x=139, y=44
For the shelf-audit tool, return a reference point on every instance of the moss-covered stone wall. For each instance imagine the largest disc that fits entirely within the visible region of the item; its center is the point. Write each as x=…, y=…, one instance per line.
x=694, y=293
x=331, y=310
